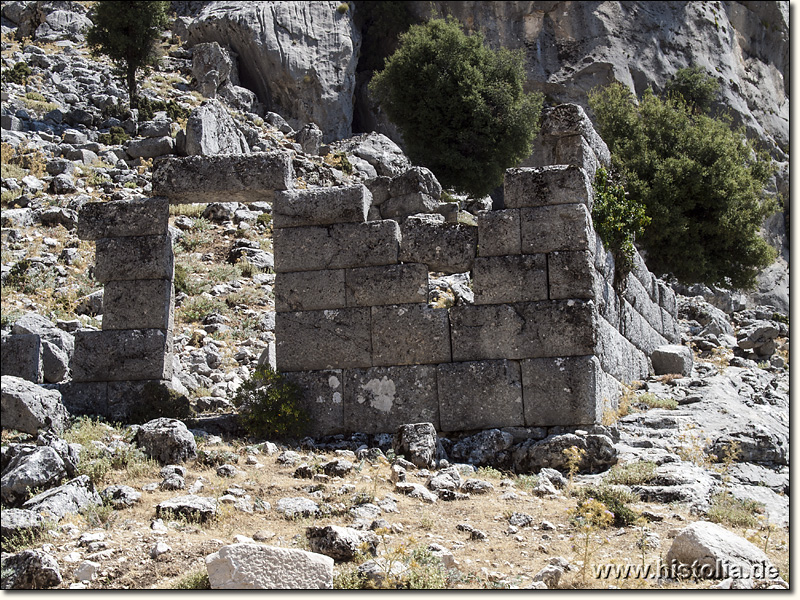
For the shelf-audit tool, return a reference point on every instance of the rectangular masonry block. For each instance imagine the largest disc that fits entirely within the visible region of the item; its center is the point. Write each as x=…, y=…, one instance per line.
x=607, y=301
x=123, y=218
x=124, y=398
x=322, y=398
x=381, y=399
x=556, y=228
x=567, y=120
x=309, y=290
x=410, y=334
x=122, y=355
x=561, y=391
x=223, y=178
x=441, y=246
x=641, y=273
x=542, y=186
x=570, y=274
x=323, y=339
x=140, y=304
x=504, y=279
x=480, y=395
x=321, y=206
x=523, y=330
x=669, y=328
x=638, y=298
x=85, y=398
x=666, y=299
x=340, y=246
x=22, y=356
x=576, y=150
x=133, y=258
x=618, y=356
x=390, y=284
x=498, y=233
x=640, y=333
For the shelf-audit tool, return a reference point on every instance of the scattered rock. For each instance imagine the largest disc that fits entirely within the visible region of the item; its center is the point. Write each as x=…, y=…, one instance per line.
x=341, y=543
x=255, y=566
x=28, y=407
x=29, y=570
x=166, y=440
x=417, y=443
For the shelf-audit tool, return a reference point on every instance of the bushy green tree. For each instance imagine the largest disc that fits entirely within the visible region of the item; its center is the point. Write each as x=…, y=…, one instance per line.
x=695, y=86
x=460, y=105
x=128, y=33
x=269, y=405
x=701, y=181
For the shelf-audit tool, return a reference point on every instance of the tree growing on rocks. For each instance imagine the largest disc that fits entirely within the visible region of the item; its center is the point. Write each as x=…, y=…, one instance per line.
x=128, y=33
x=459, y=104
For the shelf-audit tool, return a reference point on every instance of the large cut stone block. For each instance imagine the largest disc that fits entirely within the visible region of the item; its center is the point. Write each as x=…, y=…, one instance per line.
x=556, y=228
x=391, y=284
x=480, y=395
x=125, y=397
x=441, y=246
x=666, y=299
x=607, y=301
x=542, y=186
x=309, y=290
x=259, y=567
x=669, y=328
x=523, y=330
x=86, y=398
x=571, y=275
x=123, y=218
x=410, y=334
x=223, y=178
x=133, y=258
x=640, y=333
x=22, y=357
x=340, y=246
x=639, y=299
x=126, y=354
x=323, y=339
x=381, y=399
x=322, y=399
x=141, y=304
x=561, y=391
x=498, y=233
x=321, y=206
x=503, y=279
x=576, y=150
x=618, y=356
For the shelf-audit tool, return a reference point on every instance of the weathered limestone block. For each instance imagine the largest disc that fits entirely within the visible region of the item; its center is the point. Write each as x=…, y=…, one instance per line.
x=391, y=284
x=542, y=186
x=638, y=298
x=523, y=330
x=340, y=246
x=410, y=334
x=672, y=358
x=326, y=339
x=666, y=299
x=640, y=333
x=571, y=275
x=322, y=206
x=409, y=204
x=441, y=246
x=498, y=233
x=121, y=355
x=134, y=258
x=223, y=178
x=381, y=399
x=123, y=218
x=141, y=304
x=669, y=327
x=516, y=278
x=480, y=395
x=644, y=276
x=260, y=567
x=576, y=150
x=618, y=356
x=607, y=300
x=556, y=228
x=21, y=356
x=309, y=290
x=122, y=397
x=561, y=391
x=322, y=399
x=566, y=120
x=86, y=398
x=414, y=191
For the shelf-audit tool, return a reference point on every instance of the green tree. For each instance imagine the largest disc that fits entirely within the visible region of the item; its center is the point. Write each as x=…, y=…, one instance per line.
x=695, y=86
x=700, y=180
x=128, y=33
x=459, y=104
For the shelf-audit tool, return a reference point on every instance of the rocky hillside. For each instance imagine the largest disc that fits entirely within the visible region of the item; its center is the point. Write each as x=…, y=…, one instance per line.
x=88, y=505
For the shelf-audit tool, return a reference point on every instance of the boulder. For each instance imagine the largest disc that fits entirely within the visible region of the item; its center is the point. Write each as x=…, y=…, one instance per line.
x=150, y=147
x=197, y=508
x=309, y=137
x=28, y=407
x=445, y=479
x=256, y=566
x=20, y=522
x=487, y=448
x=210, y=130
x=297, y=507
x=341, y=543
x=120, y=496
x=29, y=570
x=33, y=467
x=22, y=357
x=34, y=324
x=549, y=452
x=672, y=358
x=379, y=151
x=166, y=440
x=55, y=363
x=70, y=498
x=715, y=553
x=416, y=443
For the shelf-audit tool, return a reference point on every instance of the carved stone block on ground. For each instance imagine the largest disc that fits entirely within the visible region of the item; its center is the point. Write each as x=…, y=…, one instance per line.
x=480, y=395
x=409, y=334
x=561, y=391
x=133, y=258
x=140, y=304
x=322, y=206
x=123, y=218
x=125, y=354
x=556, y=228
x=21, y=356
x=672, y=358
x=381, y=399
x=570, y=275
x=310, y=290
x=444, y=247
x=540, y=186
x=340, y=246
x=319, y=340
x=390, y=284
x=504, y=279
x=498, y=233
x=260, y=567
x=322, y=399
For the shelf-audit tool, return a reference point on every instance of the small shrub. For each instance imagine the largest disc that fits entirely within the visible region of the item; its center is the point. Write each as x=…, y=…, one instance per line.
x=729, y=510
x=489, y=473
x=653, y=401
x=116, y=136
x=197, y=308
x=343, y=8
x=635, y=473
x=527, y=482
x=18, y=74
x=196, y=580
x=159, y=401
x=268, y=405
x=99, y=515
x=615, y=499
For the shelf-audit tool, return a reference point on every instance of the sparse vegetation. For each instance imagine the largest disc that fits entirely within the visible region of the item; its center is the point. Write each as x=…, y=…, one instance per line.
x=268, y=405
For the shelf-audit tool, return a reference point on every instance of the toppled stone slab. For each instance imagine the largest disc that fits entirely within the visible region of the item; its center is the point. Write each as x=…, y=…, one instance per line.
x=323, y=206
x=225, y=178
x=123, y=218
x=256, y=566
x=28, y=407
